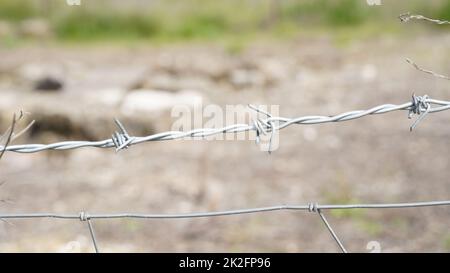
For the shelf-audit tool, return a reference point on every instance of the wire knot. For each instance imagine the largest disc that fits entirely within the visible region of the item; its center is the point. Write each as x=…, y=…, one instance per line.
x=121, y=139
x=313, y=207
x=84, y=216
x=262, y=126
x=419, y=106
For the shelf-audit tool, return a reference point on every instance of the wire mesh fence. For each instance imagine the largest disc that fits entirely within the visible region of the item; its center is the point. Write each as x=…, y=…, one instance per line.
x=310, y=207
x=420, y=105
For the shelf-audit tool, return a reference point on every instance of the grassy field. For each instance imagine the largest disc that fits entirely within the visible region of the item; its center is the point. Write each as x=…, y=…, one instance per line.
x=175, y=20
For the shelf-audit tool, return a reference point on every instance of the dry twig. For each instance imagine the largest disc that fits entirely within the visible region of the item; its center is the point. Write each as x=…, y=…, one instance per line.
x=426, y=70
x=10, y=135
x=405, y=17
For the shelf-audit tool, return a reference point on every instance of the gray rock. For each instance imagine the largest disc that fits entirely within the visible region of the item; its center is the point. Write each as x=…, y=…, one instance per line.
x=43, y=77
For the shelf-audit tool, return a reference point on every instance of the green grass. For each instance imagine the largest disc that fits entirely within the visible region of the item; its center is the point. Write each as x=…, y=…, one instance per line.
x=16, y=10
x=88, y=26
x=204, y=25
x=187, y=20
x=335, y=13
x=444, y=12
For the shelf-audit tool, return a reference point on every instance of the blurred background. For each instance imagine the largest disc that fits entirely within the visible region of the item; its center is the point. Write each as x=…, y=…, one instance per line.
x=75, y=68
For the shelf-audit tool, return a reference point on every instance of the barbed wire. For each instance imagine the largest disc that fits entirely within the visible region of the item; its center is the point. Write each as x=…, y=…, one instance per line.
x=310, y=207
x=405, y=17
x=434, y=74
x=419, y=105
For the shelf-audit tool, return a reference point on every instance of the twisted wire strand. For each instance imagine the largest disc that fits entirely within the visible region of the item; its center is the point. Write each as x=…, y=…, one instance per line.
x=420, y=105
x=311, y=207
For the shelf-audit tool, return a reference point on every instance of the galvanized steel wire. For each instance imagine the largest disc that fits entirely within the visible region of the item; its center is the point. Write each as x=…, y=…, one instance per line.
x=310, y=207
x=419, y=105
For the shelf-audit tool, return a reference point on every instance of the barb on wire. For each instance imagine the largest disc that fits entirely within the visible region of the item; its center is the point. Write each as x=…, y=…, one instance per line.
x=311, y=207
x=261, y=125
x=420, y=107
x=405, y=17
x=426, y=70
x=121, y=140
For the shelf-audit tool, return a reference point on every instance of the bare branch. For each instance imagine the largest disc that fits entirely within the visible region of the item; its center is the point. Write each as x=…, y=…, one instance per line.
x=427, y=71
x=9, y=135
x=16, y=136
x=405, y=17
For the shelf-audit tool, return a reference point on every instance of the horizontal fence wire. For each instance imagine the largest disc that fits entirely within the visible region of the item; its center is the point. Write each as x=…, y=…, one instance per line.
x=310, y=207
x=420, y=105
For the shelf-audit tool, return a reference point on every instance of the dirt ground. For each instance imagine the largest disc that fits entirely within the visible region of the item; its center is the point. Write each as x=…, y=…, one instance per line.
x=370, y=160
